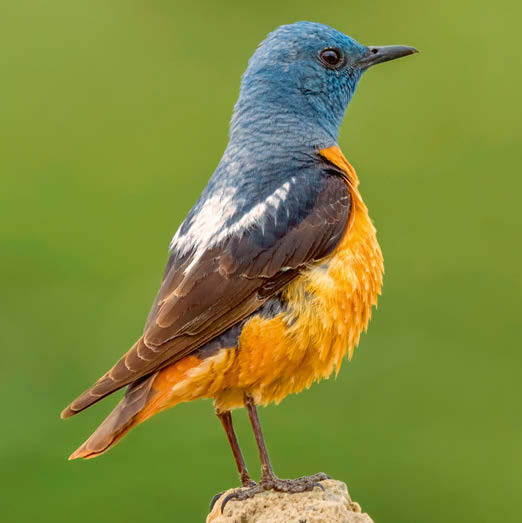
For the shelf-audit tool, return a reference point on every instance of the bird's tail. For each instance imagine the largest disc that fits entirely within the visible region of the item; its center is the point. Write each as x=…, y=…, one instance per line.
x=125, y=416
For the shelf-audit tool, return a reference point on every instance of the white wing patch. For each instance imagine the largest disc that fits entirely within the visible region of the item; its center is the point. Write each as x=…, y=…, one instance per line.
x=207, y=229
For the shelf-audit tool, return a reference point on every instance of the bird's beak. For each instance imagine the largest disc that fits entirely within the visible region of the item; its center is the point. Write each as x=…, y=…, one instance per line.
x=377, y=55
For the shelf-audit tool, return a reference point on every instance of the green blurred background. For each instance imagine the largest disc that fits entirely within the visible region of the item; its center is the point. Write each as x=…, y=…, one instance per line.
x=113, y=114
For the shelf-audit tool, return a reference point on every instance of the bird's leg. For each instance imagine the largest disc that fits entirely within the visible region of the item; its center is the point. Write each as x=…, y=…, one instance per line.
x=266, y=467
x=269, y=481
x=226, y=421
x=246, y=480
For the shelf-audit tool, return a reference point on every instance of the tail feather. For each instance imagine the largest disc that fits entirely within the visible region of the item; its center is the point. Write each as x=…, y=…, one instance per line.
x=110, y=382
x=119, y=421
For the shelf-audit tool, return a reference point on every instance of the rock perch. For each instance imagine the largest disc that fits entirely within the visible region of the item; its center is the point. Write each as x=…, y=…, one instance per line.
x=333, y=505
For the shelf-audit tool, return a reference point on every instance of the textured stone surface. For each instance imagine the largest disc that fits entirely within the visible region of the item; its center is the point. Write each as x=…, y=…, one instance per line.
x=331, y=506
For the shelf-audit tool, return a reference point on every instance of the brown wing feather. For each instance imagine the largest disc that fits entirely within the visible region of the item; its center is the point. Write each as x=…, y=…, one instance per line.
x=228, y=283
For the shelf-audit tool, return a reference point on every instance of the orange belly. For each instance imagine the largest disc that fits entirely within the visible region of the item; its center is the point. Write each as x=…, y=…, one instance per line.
x=327, y=308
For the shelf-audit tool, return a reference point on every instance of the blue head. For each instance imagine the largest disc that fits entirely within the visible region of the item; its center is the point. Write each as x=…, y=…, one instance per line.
x=298, y=84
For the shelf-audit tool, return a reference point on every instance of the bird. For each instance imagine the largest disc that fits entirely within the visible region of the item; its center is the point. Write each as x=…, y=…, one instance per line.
x=272, y=276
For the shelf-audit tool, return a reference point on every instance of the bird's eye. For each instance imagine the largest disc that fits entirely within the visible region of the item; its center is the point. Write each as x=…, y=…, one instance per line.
x=331, y=58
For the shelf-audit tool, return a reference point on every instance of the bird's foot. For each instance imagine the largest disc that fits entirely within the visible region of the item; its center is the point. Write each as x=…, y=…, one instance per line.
x=290, y=486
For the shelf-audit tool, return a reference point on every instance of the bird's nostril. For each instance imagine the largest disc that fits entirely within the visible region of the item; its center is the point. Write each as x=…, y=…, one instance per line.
x=374, y=50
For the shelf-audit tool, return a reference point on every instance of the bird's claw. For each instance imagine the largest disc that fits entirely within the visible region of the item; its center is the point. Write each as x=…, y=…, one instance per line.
x=320, y=476
x=247, y=484
x=235, y=495
x=214, y=499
